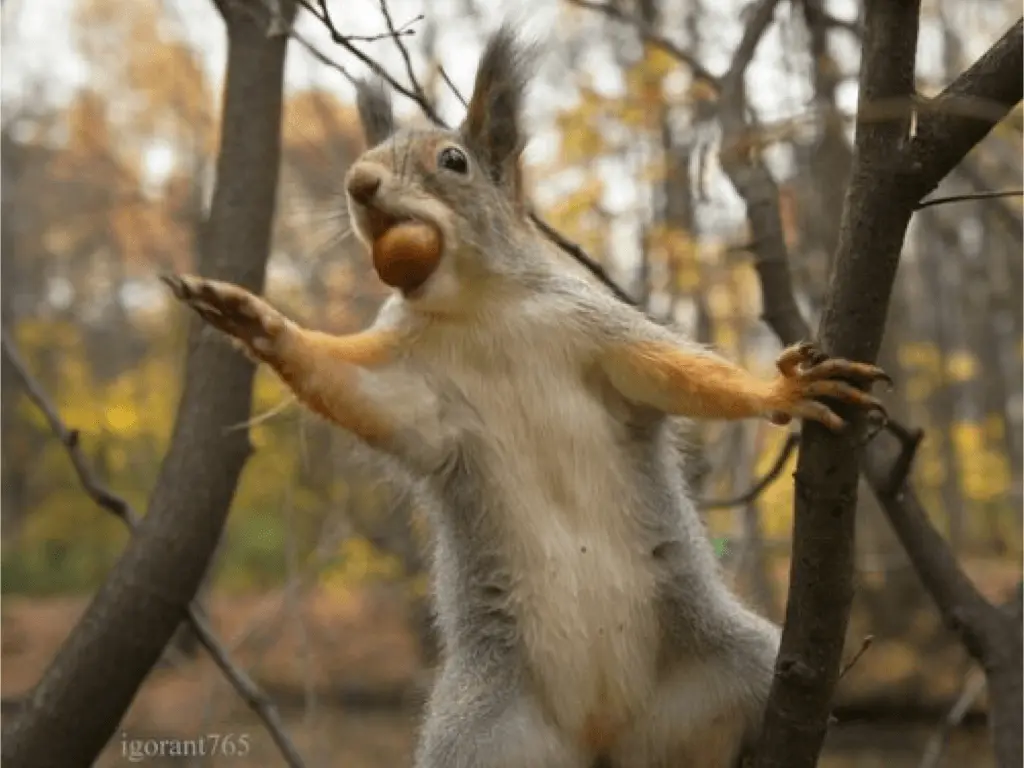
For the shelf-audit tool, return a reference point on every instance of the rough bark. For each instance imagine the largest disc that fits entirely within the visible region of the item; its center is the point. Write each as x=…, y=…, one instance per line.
x=991, y=634
x=82, y=696
x=892, y=171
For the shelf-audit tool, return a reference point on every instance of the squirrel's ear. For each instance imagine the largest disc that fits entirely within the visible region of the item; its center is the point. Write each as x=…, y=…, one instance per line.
x=374, y=103
x=493, y=126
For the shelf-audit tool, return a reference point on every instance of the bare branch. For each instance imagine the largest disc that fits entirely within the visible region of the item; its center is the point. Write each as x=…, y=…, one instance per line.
x=289, y=29
x=324, y=16
x=817, y=15
x=417, y=87
x=650, y=35
x=760, y=17
x=451, y=85
x=959, y=601
x=320, y=56
x=755, y=184
x=864, y=645
x=946, y=132
x=969, y=196
x=910, y=440
x=762, y=484
x=251, y=693
x=582, y=257
x=972, y=688
x=85, y=691
x=821, y=571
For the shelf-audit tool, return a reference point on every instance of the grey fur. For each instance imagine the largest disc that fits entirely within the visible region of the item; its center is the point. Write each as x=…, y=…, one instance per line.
x=373, y=101
x=493, y=121
x=572, y=576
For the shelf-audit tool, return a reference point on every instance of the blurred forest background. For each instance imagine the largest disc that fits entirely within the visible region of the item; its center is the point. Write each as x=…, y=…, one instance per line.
x=319, y=587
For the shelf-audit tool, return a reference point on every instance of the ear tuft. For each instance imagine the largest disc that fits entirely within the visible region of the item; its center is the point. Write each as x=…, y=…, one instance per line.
x=493, y=127
x=374, y=102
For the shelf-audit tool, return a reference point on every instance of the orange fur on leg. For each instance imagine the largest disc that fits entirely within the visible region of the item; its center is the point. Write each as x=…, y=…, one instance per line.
x=324, y=372
x=682, y=383
x=687, y=384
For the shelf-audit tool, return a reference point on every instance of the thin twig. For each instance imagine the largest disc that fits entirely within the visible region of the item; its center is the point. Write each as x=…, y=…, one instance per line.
x=582, y=257
x=324, y=17
x=321, y=13
x=910, y=441
x=250, y=692
x=828, y=20
x=971, y=690
x=792, y=440
x=760, y=16
x=322, y=57
x=451, y=85
x=404, y=51
x=69, y=438
x=277, y=19
x=651, y=36
x=864, y=645
x=969, y=196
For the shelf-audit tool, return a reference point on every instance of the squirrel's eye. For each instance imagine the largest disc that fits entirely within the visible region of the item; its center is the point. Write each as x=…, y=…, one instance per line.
x=453, y=160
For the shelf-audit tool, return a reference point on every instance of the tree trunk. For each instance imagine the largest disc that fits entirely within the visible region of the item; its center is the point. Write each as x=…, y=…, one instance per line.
x=85, y=692
x=876, y=212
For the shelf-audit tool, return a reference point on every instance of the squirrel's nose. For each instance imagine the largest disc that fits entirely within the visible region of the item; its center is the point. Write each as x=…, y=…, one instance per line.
x=363, y=184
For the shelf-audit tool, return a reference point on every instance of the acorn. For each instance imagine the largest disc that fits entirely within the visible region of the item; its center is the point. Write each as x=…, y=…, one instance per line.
x=407, y=254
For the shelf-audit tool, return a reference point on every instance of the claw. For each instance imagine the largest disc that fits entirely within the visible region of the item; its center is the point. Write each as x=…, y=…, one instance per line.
x=817, y=411
x=793, y=357
x=838, y=368
x=175, y=283
x=840, y=390
x=812, y=374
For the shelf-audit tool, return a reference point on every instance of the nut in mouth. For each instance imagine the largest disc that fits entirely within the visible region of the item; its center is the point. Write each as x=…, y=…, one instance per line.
x=406, y=251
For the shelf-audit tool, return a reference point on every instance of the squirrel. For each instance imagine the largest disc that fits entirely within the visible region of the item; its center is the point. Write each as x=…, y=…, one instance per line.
x=583, y=615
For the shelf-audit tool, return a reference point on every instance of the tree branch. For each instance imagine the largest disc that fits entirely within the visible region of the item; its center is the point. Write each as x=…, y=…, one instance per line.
x=96, y=490
x=762, y=484
x=574, y=250
x=972, y=688
x=960, y=603
x=404, y=51
x=324, y=17
x=84, y=693
x=650, y=35
x=952, y=123
x=969, y=196
x=756, y=186
x=760, y=17
x=821, y=572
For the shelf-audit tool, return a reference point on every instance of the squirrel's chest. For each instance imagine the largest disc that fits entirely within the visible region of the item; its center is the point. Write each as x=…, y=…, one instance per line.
x=583, y=580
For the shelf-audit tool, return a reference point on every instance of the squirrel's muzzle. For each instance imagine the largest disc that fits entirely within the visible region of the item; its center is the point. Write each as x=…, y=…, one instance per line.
x=405, y=252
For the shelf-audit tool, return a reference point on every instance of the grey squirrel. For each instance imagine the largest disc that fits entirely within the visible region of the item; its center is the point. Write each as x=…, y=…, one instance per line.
x=583, y=615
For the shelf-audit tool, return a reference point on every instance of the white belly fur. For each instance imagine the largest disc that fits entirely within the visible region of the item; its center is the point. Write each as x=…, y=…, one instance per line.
x=584, y=582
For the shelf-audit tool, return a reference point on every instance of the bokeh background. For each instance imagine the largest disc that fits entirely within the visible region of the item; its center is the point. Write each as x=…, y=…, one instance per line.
x=109, y=131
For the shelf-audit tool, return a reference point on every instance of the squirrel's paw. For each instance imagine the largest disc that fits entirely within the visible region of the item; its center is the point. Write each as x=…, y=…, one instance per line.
x=246, y=318
x=806, y=373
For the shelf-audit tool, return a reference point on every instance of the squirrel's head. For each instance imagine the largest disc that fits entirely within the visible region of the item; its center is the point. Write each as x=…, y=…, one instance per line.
x=443, y=211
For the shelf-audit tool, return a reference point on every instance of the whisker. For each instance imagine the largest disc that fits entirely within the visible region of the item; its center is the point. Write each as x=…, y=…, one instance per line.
x=262, y=417
x=331, y=246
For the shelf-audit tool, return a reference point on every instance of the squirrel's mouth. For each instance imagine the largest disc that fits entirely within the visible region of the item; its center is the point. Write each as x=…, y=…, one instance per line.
x=406, y=250
x=379, y=222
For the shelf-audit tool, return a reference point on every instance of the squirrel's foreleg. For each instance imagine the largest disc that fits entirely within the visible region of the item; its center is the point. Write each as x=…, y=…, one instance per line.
x=345, y=379
x=699, y=384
